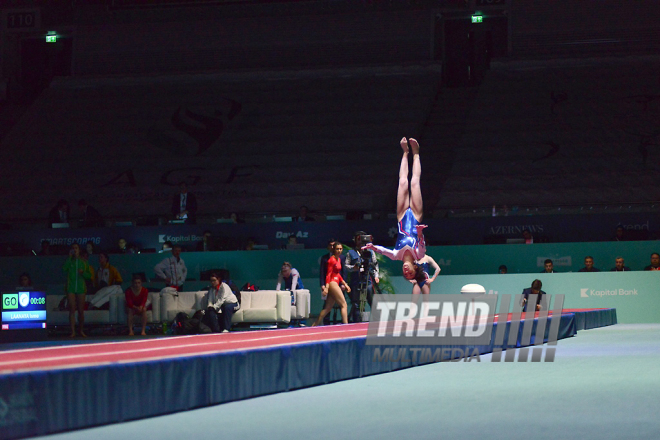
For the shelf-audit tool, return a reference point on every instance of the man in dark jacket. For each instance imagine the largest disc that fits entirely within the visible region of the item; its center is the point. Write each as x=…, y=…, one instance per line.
x=59, y=213
x=91, y=217
x=184, y=205
x=535, y=289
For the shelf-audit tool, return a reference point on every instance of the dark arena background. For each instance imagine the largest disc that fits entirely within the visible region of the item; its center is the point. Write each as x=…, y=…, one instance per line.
x=539, y=127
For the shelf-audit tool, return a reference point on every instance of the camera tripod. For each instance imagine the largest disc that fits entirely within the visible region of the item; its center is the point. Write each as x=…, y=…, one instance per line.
x=366, y=275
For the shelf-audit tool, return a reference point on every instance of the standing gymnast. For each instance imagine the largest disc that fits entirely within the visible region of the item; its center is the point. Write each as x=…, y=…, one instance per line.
x=410, y=246
x=423, y=284
x=332, y=287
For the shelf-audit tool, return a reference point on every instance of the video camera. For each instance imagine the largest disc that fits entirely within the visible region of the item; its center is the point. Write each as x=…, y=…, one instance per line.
x=366, y=272
x=366, y=266
x=365, y=254
x=365, y=263
x=364, y=239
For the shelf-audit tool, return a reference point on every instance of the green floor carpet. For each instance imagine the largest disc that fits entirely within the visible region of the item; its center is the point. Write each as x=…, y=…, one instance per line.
x=604, y=384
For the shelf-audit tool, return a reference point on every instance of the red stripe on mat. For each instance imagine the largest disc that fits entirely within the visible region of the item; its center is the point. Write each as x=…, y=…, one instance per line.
x=70, y=356
x=135, y=351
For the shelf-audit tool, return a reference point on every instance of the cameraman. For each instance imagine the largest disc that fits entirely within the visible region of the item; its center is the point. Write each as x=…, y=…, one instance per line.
x=354, y=262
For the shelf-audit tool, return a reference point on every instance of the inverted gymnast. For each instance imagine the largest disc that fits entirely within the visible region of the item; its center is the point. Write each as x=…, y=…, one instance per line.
x=410, y=246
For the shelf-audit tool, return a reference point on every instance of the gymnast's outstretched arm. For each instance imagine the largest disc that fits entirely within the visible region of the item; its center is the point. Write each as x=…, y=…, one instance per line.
x=389, y=253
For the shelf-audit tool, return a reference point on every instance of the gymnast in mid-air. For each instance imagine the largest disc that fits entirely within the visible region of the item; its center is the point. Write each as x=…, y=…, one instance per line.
x=410, y=246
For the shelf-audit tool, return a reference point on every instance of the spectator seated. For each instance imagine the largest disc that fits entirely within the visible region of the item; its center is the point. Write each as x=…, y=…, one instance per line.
x=153, y=308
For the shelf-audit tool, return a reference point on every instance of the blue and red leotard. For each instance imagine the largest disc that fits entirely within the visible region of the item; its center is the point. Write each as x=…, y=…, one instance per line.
x=407, y=240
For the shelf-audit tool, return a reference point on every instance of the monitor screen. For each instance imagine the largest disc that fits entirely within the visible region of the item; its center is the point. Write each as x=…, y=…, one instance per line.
x=23, y=310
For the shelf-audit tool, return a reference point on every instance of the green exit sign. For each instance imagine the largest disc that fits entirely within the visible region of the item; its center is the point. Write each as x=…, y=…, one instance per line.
x=51, y=38
x=477, y=19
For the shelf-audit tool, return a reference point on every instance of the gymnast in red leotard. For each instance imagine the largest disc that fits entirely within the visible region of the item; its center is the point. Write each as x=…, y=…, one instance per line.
x=332, y=288
x=333, y=272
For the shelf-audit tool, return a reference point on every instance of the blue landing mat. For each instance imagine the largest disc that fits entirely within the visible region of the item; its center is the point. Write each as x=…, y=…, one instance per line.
x=585, y=320
x=44, y=402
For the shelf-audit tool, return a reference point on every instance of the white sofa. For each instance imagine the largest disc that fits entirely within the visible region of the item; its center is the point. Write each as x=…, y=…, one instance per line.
x=302, y=307
x=264, y=306
x=115, y=314
x=173, y=302
x=256, y=307
x=55, y=316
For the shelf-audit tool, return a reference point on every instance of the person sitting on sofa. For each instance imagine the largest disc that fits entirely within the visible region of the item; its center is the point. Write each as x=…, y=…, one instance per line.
x=219, y=300
x=107, y=274
x=136, y=304
x=225, y=277
x=108, y=281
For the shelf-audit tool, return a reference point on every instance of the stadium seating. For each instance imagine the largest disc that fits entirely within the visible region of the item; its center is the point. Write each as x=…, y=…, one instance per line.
x=265, y=142
x=551, y=133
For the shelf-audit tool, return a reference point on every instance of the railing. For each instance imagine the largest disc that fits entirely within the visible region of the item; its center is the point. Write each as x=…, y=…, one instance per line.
x=287, y=216
x=530, y=210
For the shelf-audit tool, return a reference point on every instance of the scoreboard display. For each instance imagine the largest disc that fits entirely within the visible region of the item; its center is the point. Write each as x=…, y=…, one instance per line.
x=23, y=316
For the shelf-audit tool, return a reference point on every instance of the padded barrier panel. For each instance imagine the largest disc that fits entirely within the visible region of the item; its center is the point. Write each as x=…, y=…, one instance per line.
x=585, y=320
